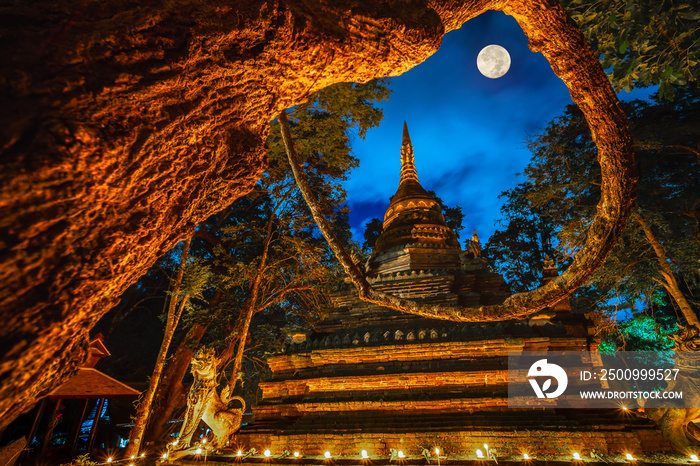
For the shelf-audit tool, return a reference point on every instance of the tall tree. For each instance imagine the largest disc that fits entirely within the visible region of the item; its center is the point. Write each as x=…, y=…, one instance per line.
x=522, y=240
x=661, y=242
x=263, y=250
x=190, y=281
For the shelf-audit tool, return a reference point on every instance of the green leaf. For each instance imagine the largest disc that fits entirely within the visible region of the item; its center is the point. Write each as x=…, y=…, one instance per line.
x=690, y=15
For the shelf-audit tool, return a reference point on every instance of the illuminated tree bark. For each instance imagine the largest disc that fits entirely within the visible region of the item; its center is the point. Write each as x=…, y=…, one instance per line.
x=172, y=394
x=175, y=308
x=125, y=124
x=669, y=281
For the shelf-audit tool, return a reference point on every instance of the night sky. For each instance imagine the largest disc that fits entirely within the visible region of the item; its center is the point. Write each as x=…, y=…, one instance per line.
x=468, y=131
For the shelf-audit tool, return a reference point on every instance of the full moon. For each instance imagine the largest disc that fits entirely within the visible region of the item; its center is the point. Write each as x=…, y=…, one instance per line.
x=493, y=61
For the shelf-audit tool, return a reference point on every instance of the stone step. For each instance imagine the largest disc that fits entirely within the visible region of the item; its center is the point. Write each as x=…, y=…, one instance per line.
x=499, y=420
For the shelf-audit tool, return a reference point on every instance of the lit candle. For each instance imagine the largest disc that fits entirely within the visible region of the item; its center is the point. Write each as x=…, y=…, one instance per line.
x=401, y=455
x=296, y=454
x=479, y=453
x=629, y=457
x=327, y=454
x=240, y=453
x=577, y=457
x=694, y=459
x=364, y=454
x=526, y=456
x=109, y=460
x=165, y=456
x=267, y=453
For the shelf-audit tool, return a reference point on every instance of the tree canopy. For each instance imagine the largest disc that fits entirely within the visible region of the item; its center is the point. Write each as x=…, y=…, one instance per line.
x=642, y=42
x=266, y=267
x=550, y=211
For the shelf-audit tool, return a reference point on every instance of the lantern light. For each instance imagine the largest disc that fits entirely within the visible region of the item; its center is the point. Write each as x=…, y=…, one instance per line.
x=198, y=451
x=694, y=459
x=109, y=460
x=526, y=456
x=577, y=457
x=296, y=454
x=401, y=455
x=267, y=453
x=327, y=454
x=629, y=457
x=479, y=453
x=239, y=453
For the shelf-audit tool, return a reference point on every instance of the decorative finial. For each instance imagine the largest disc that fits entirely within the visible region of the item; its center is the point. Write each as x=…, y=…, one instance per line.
x=475, y=245
x=408, y=165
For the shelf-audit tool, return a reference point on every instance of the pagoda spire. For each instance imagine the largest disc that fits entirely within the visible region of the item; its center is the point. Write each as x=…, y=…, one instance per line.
x=408, y=165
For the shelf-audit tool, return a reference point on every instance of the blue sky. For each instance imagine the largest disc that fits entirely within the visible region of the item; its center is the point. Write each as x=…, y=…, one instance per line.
x=468, y=131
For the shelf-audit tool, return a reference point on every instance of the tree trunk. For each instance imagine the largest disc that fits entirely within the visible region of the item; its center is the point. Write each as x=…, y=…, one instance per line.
x=250, y=309
x=126, y=124
x=173, y=318
x=171, y=391
x=669, y=281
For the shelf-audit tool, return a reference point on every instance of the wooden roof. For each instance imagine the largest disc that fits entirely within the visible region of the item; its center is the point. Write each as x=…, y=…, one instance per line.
x=91, y=383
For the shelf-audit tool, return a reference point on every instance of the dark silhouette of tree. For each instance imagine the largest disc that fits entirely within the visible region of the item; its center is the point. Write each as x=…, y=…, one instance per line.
x=661, y=243
x=373, y=229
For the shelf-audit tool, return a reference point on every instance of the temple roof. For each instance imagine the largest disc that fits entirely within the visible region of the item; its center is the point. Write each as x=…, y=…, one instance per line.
x=91, y=383
x=414, y=219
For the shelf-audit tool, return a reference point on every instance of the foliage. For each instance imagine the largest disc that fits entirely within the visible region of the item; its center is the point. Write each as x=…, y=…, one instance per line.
x=646, y=332
x=518, y=249
x=82, y=460
x=642, y=42
x=558, y=200
x=373, y=229
x=453, y=215
x=263, y=253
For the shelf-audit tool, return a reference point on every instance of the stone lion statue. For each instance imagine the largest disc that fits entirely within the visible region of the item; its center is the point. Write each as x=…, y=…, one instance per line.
x=205, y=404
